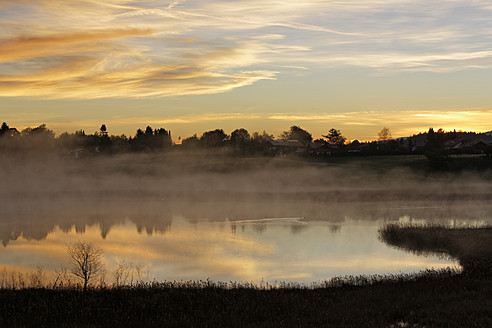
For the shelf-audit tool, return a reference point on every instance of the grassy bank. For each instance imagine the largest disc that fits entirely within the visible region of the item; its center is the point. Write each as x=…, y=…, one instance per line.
x=472, y=246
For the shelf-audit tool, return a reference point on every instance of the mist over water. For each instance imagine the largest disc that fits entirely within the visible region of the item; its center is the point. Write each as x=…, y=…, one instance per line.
x=196, y=217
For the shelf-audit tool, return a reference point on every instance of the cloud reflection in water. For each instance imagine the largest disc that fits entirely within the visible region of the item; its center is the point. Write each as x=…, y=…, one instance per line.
x=272, y=250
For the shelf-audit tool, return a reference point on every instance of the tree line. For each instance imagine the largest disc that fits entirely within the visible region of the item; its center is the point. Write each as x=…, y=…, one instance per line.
x=43, y=139
x=239, y=141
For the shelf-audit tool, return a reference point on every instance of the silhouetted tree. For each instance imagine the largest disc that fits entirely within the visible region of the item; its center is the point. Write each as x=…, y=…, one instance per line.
x=148, y=131
x=384, y=134
x=264, y=136
x=139, y=133
x=435, y=151
x=151, y=139
x=86, y=261
x=240, y=138
x=190, y=142
x=38, y=139
x=5, y=128
x=259, y=143
x=103, y=130
x=297, y=133
x=213, y=138
x=41, y=130
x=7, y=141
x=163, y=138
x=335, y=136
x=7, y=131
x=120, y=143
x=101, y=141
x=70, y=141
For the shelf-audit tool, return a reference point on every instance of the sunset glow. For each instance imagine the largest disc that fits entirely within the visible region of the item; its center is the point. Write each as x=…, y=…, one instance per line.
x=211, y=250
x=191, y=66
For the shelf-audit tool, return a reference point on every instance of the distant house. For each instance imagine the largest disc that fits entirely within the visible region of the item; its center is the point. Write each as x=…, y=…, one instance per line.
x=322, y=148
x=355, y=147
x=419, y=146
x=283, y=147
x=466, y=146
x=454, y=144
x=475, y=147
x=78, y=153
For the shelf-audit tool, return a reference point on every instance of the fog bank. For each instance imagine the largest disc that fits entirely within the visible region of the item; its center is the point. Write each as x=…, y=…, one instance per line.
x=40, y=193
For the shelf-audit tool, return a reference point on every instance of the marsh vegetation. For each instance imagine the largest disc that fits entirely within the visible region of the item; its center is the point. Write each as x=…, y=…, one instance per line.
x=432, y=299
x=471, y=245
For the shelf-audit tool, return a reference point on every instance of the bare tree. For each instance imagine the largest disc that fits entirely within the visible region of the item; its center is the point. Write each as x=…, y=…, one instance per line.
x=121, y=273
x=86, y=261
x=62, y=278
x=384, y=134
x=37, y=278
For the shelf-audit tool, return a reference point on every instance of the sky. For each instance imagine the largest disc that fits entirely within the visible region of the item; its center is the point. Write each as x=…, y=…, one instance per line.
x=193, y=66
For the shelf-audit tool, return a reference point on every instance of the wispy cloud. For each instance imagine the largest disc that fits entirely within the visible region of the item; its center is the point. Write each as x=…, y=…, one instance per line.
x=197, y=118
x=82, y=70
x=121, y=48
x=36, y=46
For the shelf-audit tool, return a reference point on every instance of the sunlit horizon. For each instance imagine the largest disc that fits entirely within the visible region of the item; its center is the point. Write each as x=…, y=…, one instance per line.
x=190, y=66
x=351, y=124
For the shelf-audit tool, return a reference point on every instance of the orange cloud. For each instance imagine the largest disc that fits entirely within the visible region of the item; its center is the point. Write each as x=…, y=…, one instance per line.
x=125, y=37
x=88, y=77
x=25, y=47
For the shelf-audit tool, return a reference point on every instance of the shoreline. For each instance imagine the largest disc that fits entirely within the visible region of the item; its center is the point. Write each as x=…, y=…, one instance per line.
x=430, y=298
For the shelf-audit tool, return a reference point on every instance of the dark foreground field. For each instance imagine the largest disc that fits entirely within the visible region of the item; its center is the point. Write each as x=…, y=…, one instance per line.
x=429, y=299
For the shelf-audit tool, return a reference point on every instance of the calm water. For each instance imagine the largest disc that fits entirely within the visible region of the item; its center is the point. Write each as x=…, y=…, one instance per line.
x=174, y=247
x=302, y=224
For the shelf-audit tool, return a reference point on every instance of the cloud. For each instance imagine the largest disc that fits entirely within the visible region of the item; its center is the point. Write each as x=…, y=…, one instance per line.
x=110, y=57
x=76, y=66
x=436, y=62
x=27, y=47
x=121, y=48
x=198, y=118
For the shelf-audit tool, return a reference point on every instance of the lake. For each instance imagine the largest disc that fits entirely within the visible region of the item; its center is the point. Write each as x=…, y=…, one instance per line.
x=284, y=224
x=246, y=248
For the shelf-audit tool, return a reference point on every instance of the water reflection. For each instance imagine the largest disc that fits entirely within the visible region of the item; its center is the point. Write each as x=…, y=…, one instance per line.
x=177, y=248
x=198, y=218
x=35, y=217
